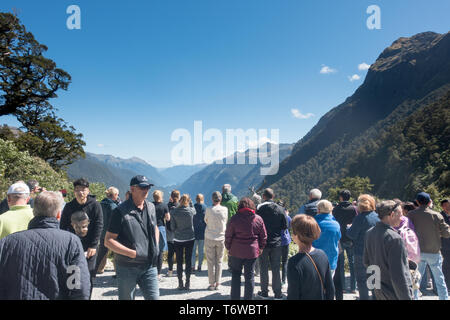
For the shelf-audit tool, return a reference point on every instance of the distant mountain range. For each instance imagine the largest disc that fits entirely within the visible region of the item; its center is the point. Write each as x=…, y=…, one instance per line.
x=239, y=176
x=194, y=179
x=410, y=76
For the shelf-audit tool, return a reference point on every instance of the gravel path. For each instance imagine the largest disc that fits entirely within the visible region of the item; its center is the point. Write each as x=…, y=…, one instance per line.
x=105, y=287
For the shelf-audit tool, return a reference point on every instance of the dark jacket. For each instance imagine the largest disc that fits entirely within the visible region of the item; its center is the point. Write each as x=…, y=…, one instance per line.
x=445, y=242
x=181, y=223
x=357, y=232
x=344, y=213
x=199, y=221
x=35, y=263
x=108, y=207
x=303, y=279
x=430, y=227
x=245, y=235
x=4, y=206
x=94, y=211
x=310, y=208
x=274, y=221
x=134, y=235
x=385, y=248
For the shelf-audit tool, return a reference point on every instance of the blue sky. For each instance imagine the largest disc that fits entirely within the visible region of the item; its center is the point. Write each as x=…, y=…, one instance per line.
x=141, y=69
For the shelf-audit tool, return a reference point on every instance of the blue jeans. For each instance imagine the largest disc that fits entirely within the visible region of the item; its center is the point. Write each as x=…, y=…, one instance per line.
x=348, y=248
x=144, y=275
x=434, y=260
x=200, y=244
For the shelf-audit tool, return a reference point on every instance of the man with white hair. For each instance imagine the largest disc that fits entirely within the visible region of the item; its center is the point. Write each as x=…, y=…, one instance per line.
x=20, y=213
x=43, y=262
x=310, y=208
x=229, y=200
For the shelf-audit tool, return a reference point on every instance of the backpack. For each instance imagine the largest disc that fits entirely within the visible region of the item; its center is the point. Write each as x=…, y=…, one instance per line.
x=411, y=242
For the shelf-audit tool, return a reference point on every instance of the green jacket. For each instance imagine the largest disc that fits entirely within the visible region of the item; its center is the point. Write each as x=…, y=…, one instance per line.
x=14, y=220
x=231, y=202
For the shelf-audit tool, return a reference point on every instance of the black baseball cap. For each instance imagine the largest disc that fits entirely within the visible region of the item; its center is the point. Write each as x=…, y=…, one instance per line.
x=140, y=181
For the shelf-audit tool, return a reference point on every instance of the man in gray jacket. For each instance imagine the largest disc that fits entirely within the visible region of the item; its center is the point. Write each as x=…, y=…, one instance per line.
x=385, y=256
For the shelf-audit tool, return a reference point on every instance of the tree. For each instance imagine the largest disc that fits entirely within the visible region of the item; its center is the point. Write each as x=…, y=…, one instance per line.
x=17, y=165
x=356, y=186
x=51, y=139
x=26, y=76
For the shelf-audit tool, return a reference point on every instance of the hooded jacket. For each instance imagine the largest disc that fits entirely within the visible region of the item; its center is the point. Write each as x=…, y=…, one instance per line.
x=35, y=263
x=94, y=211
x=231, y=202
x=245, y=235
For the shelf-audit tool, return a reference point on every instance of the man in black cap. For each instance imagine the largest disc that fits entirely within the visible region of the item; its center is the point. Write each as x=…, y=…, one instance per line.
x=430, y=227
x=133, y=236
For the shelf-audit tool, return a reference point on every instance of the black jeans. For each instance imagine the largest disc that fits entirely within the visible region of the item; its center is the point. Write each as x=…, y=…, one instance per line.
x=91, y=262
x=186, y=249
x=446, y=268
x=249, y=276
x=284, y=259
x=170, y=253
x=270, y=256
x=338, y=280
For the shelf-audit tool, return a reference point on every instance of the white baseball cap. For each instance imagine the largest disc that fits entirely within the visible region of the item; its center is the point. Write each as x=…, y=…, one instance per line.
x=18, y=188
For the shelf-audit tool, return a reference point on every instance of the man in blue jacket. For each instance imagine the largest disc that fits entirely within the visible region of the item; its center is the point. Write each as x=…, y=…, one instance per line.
x=43, y=262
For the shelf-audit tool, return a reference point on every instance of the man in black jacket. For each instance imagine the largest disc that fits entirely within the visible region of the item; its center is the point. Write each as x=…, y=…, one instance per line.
x=344, y=213
x=43, y=262
x=275, y=223
x=385, y=253
x=86, y=203
x=133, y=236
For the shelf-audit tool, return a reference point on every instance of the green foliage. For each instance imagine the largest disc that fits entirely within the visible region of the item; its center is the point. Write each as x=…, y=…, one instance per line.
x=26, y=77
x=17, y=165
x=356, y=186
x=51, y=139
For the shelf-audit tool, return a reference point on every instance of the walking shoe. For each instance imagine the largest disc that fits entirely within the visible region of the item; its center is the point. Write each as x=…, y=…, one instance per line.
x=211, y=288
x=187, y=284
x=180, y=284
x=281, y=297
x=169, y=273
x=262, y=295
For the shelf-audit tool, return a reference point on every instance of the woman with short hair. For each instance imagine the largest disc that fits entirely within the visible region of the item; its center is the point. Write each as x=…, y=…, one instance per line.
x=366, y=219
x=309, y=274
x=181, y=223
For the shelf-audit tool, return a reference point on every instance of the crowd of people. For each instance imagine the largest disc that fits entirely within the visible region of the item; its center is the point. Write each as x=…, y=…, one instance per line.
x=50, y=249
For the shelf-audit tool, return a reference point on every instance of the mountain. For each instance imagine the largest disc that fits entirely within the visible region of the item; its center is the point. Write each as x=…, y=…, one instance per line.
x=239, y=176
x=178, y=174
x=410, y=75
x=113, y=171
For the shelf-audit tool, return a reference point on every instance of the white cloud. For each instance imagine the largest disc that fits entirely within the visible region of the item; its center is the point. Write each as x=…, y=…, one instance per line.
x=297, y=114
x=354, y=78
x=363, y=66
x=326, y=70
x=101, y=145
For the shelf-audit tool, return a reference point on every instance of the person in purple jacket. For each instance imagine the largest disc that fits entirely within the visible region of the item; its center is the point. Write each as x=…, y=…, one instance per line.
x=245, y=238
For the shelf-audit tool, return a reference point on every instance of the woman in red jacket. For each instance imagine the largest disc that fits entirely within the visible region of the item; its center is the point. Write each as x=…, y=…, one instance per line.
x=245, y=238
